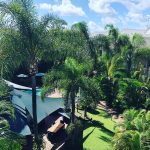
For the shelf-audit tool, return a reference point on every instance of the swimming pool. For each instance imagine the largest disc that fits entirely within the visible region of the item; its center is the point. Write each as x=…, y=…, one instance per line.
x=38, y=92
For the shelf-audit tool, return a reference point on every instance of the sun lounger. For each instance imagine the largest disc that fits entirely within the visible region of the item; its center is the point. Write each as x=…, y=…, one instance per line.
x=57, y=126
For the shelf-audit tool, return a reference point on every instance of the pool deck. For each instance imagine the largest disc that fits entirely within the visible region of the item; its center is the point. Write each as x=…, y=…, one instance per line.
x=55, y=94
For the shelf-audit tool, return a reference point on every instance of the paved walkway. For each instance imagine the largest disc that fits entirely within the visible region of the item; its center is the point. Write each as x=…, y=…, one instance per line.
x=115, y=116
x=47, y=144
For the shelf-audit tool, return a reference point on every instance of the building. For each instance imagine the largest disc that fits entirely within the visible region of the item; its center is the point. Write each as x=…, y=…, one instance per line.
x=144, y=32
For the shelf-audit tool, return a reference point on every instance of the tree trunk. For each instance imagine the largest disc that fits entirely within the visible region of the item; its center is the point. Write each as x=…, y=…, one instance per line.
x=34, y=111
x=129, y=65
x=85, y=112
x=73, y=106
x=77, y=108
x=147, y=69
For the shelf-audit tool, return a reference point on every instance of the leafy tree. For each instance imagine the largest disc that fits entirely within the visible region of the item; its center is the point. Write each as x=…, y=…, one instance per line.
x=102, y=45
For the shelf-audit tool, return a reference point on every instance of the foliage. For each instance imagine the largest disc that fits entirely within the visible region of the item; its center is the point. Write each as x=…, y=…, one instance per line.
x=25, y=35
x=70, y=77
x=25, y=39
x=8, y=139
x=129, y=140
x=131, y=93
x=74, y=136
x=133, y=132
x=4, y=89
x=101, y=67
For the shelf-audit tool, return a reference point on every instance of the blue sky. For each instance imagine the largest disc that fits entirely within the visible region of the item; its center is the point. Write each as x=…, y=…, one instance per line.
x=97, y=13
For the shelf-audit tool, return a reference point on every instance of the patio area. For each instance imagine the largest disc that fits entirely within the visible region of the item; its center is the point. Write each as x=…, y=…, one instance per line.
x=54, y=140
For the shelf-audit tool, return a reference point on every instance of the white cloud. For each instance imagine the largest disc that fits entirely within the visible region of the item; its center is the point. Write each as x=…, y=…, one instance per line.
x=65, y=8
x=109, y=20
x=94, y=27
x=104, y=6
x=135, y=12
x=101, y=6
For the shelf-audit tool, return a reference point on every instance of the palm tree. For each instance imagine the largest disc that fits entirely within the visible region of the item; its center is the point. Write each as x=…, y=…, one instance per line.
x=68, y=77
x=89, y=94
x=123, y=49
x=129, y=140
x=82, y=28
x=133, y=133
x=113, y=35
x=143, y=54
x=102, y=45
x=97, y=47
x=25, y=39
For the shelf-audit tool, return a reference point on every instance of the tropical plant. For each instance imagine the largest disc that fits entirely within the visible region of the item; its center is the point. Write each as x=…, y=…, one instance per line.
x=8, y=139
x=133, y=132
x=82, y=28
x=129, y=140
x=131, y=93
x=89, y=94
x=68, y=77
x=75, y=134
x=143, y=55
x=25, y=38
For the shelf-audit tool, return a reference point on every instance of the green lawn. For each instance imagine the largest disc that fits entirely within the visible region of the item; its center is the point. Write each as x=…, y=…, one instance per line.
x=98, y=135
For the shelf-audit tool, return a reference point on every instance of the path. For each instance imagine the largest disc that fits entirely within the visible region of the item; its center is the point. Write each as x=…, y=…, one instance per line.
x=115, y=116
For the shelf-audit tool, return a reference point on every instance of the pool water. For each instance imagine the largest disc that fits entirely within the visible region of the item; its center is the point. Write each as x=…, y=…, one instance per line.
x=38, y=92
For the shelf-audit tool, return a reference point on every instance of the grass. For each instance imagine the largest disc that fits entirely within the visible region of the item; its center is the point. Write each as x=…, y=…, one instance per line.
x=98, y=134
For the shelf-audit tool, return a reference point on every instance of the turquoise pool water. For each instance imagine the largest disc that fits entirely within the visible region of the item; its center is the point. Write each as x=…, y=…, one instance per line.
x=38, y=92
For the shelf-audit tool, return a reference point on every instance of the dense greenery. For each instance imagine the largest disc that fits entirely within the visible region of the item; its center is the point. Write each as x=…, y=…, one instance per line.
x=8, y=139
x=86, y=69
x=134, y=132
x=25, y=39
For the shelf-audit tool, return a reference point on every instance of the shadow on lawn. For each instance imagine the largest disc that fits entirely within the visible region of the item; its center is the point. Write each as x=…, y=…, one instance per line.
x=93, y=111
x=99, y=125
x=84, y=139
x=104, y=138
x=102, y=112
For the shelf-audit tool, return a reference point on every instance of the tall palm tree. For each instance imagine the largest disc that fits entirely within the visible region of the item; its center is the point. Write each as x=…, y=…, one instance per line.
x=113, y=35
x=143, y=55
x=82, y=28
x=97, y=47
x=68, y=77
x=102, y=45
x=25, y=38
